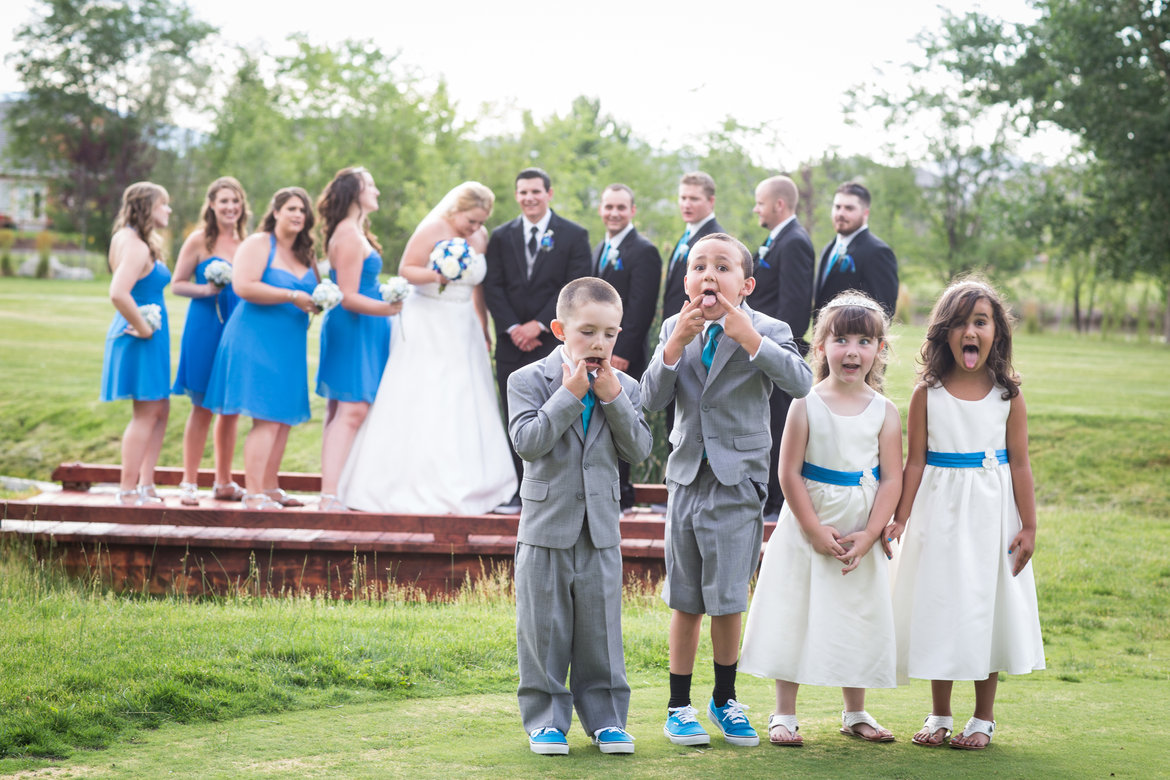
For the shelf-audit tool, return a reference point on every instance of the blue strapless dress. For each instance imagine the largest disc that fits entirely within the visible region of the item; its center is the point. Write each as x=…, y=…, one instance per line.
x=354, y=347
x=261, y=368
x=201, y=333
x=139, y=368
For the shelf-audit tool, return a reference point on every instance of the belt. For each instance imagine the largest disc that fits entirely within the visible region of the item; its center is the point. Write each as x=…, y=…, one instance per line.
x=834, y=477
x=967, y=460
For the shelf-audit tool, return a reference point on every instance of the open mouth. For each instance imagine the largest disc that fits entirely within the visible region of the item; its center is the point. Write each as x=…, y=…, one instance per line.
x=851, y=366
x=593, y=362
x=709, y=298
x=970, y=355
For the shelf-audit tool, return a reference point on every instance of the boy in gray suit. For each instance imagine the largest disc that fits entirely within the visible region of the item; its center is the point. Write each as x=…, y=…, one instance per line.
x=572, y=415
x=717, y=360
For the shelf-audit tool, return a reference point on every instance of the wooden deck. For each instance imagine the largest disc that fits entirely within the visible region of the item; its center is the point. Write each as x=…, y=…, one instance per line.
x=219, y=546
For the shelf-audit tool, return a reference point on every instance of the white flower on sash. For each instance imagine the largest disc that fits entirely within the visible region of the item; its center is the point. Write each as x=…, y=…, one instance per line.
x=219, y=273
x=326, y=295
x=395, y=289
x=868, y=480
x=152, y=313
x=990, y=459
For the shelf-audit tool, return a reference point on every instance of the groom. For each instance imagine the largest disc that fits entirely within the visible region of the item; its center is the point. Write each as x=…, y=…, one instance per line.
x=529, y=260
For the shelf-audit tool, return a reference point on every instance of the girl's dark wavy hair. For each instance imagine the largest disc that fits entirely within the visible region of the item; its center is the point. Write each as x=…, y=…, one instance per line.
x=952, y=310
x=211, y=224
x=303, y=243
x=335, y=200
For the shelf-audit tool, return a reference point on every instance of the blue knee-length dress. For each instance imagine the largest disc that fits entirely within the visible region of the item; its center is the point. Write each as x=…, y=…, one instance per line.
x=133, y=367
x=354, y=347
x=261, y=368
x=206, y=318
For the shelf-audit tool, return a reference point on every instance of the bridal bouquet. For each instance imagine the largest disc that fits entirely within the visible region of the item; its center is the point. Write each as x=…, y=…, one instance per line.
x=152, y=313
x=326, y=295
x=219, y=273
x=395, y=289
x=450, y=258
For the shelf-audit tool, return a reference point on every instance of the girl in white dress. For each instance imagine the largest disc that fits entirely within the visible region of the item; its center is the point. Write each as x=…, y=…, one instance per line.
x=821, y=612
x=964, y=596
x=433, y=441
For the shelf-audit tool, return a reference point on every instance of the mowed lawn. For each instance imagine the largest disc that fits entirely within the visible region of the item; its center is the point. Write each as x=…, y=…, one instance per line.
x=97, y=685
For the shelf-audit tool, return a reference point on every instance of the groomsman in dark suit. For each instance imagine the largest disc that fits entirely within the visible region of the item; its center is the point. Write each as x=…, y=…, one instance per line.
x=633, y=265
x=856, y=259
x=784, y=290
x=529, y=260
x=696, y=204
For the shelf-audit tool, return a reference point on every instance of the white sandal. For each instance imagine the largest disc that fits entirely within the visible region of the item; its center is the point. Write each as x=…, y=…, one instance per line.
x=188, y=494
x=282, y=498
x=932, y=725
x=259, y=501
x=331, y=503
x=975, y=726
x=789, y=722
x=148, y=496
x=851, y=719
x=129, y=497
x=227, y=491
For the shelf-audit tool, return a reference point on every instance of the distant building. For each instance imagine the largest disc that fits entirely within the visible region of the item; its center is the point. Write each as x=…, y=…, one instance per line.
x=24, y=193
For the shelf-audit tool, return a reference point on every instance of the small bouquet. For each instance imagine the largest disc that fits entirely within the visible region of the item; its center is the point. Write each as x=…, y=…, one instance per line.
x=395, y=289
x=152, y=313
x=450, y=258
x=219, y=273
x=326, y=295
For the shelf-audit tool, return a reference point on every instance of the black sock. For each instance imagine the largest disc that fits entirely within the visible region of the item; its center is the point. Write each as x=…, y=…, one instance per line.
x=680, y=690
x=724, y=684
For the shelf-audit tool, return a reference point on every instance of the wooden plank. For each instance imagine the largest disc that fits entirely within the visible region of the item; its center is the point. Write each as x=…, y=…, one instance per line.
x=87, y=474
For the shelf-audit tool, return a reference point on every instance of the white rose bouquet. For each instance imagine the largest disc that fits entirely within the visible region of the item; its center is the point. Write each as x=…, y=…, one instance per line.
x=395, y=289
x=326, y=295
x=152, y=313
x=450, y=258
x=219, y=273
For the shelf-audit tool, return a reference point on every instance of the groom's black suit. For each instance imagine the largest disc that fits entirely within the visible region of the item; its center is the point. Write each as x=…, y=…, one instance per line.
x=514, y=299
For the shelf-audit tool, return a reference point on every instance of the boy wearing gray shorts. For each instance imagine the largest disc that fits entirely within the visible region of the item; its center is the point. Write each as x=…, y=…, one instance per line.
x=718, y=361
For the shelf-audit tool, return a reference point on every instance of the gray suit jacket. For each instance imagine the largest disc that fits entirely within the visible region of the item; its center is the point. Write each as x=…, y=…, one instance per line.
x=568, y=474
x=724, y=411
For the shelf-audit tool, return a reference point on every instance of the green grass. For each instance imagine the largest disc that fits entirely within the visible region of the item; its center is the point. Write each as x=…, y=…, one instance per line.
x=307, y=686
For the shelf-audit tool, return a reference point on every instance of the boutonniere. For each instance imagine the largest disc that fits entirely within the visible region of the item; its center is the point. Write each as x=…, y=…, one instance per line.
x=546, y=241
x=847, y=263
x=763, y=251
x=615, y=259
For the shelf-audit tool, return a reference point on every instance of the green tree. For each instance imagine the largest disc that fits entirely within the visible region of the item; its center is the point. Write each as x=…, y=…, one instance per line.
x=101, y=82
x=1102, y=72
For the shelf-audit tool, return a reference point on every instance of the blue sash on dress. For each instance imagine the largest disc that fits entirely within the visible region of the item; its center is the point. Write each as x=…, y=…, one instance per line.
x=834, y=477
x=964, y=460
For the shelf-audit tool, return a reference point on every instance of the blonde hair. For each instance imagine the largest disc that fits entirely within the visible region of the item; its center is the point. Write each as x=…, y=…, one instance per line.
x=467, y=196
x=700, y=179
x=138, y=201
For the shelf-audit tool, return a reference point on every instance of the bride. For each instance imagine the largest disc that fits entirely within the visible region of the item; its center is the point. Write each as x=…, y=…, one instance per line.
x=433, y=441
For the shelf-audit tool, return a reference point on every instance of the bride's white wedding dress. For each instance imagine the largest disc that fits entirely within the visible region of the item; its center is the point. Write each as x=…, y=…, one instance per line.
x=433, y=441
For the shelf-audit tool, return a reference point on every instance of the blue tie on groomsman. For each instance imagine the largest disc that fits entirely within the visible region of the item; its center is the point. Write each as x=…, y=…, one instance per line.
x=784, y=290
x=856, y=259
x=696, y=205
x=633, y=265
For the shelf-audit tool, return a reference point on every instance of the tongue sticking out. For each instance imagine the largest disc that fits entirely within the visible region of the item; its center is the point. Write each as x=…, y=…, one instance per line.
x=970, y=356
x=709, y=299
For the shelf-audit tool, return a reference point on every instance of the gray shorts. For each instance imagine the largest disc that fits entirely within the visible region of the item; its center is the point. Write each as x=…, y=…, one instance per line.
x=713, y=538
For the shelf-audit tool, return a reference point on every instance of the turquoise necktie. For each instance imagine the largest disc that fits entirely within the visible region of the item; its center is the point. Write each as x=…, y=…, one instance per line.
x=712, y=344
x=832, y=262
x=604, y=258
x=589, y=400
x=678, y=248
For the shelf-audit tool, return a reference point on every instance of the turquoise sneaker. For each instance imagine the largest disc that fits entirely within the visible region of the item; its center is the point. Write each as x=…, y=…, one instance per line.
x=733, y=723
x=548, y=742
x=613, y=740
x=683, y=728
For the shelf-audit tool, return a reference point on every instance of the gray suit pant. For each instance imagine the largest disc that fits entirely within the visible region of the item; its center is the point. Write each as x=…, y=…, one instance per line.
x=569, y=617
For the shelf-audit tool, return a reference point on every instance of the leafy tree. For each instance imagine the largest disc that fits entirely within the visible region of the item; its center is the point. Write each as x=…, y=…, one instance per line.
x=1102, y=72
x=102, y=79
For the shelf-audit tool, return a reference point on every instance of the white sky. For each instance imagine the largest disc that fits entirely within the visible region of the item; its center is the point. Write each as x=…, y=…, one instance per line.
x=671, y=71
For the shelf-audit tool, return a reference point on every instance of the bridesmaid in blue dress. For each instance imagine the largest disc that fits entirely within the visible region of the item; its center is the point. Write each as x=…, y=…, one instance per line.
x=137, y=362
x=225, y=220
x=355, y=336
x=261, y=367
